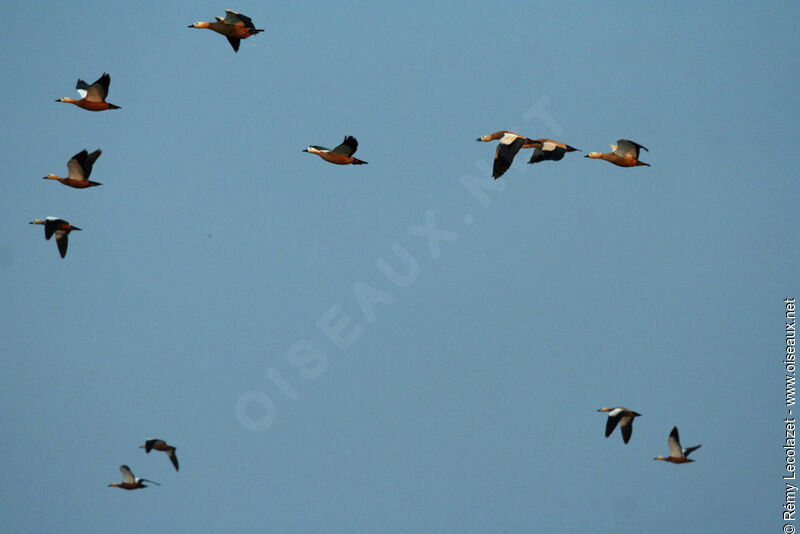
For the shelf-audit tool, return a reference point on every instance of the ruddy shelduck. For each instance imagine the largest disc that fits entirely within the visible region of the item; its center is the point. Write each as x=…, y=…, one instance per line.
x=161, y=445
x=130, y=482
x=677, y=455
x=510, y=143
x=79, y=168
x=625, y=154
x=234, y=27
x=59, y=227
x=549, y=150
x=624, y=417
x=93, y=97
x=341, y=155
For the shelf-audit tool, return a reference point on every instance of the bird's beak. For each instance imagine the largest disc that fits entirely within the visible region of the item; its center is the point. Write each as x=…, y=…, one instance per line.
x=305, y=150
x=75, y=228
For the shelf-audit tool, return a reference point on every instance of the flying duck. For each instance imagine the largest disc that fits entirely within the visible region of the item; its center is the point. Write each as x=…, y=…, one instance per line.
x=130, y=482
x=341, y=155
x=625, y=154
x=93, y=97
x=79, y=168
x=624, y=417
x=677, y=455
x=234, y=27
x=161, y=445
x=60, y=227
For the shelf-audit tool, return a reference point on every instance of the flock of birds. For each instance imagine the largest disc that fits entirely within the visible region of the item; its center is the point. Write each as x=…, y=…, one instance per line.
x=624, y=154
x=130, y=482
x=235, y=27
x=624, y=417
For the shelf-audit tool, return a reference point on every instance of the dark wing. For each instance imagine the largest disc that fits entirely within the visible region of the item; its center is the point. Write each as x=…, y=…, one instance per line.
x=82, y=88
x=50, y=226
x=173, y=458
x=234, y=41
x=232, y=17
x=627, y=148
x=547, y=154
x=348, y=146
x=148, y=445
x=550, y=150
x=98, y=91
x=688, y=451
x=537, y=156
x=626, y=426
x=77, y=166
x=611, y=423
x=62, y=241
x=150, y=481
x=505, y=155
x=90, y=159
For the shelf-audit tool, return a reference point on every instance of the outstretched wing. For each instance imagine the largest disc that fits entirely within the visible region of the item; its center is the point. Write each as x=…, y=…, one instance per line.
x=506, y=150
x=234, y=41
x=628, y=149
x=613, y=418
x=547, y=150
x=687, y=451
x=232, y=17
x=62, y=240
x=674, y=443
x=98, y=91
x=90, y=159
x=173, y=458
x=50, y=226
x=82, y=88
x=626, y=426
x=127, y=476
x=77, y=166
x=348, y=146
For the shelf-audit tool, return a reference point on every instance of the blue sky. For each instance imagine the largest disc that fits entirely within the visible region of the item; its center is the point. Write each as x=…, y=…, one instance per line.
x=189, y=306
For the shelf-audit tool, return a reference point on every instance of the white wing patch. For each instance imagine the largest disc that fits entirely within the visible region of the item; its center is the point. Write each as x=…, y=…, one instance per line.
x=508, y=138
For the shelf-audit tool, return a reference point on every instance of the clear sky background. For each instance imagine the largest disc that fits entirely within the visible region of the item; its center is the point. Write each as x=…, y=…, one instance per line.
x=186, y=307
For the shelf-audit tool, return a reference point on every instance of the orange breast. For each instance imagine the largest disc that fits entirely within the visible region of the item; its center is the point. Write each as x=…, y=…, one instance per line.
x=338, y=159
x=92, y=106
